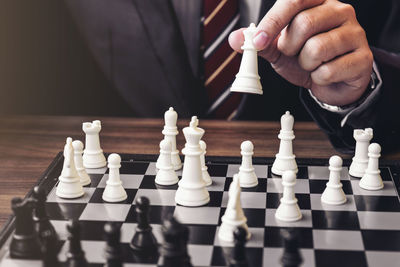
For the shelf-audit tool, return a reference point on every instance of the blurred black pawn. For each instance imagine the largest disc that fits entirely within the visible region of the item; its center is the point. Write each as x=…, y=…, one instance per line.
x=25, y=243
x=291, y=255
x=174, y=249
x=40, y=217
x=143, y=241
x=75, y=255
x=238, y=258
x=113, y=253
x=50, y=250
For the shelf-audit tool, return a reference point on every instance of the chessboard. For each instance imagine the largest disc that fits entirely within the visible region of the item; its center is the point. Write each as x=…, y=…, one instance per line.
x=363, y=232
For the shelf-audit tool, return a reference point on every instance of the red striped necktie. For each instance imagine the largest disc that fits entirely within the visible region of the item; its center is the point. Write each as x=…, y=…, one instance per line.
x=221, y=63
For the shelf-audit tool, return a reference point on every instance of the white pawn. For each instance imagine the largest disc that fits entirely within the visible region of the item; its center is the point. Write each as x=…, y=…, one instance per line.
x=114, y=192
x=170, y=132
x=192, y=189
x=78, y=151
x=288, y=210
x=233, y=216
x=166, y=174
x=247, y=176
x=360, y=160
x=333, y=193
x=372, y=179
x=204, y=168
x=93, y=156
x=69, y=185
x=247, y=80
x=285, y=159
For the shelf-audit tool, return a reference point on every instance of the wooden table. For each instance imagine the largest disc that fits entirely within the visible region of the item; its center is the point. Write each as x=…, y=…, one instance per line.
x=29, y=143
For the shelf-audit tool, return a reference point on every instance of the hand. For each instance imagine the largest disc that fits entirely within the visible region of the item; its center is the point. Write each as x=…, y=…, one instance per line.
x=316, y=44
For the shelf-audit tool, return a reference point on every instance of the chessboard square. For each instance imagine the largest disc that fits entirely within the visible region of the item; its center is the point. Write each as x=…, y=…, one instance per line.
x=322, y=173
x=96, y=171
x=129, y=258
x=221, y=256
x=148, y=182
x=128, y=230
x=95, y=179
x=201, y=234
x=157, y=197
x=215, y=199
x=342, y=258
x=388, y=189
x=219, y=170
x=197, y=215
x=97, y=196
x=93, y=230
x=377, y=203
x=318, y=186
x=316, y=203
x=200, y=255
x=255, y=217
x=133, y=167
x=305, y=221
x=379, y=220
x=157, y=214
x=383, y=240
x=248, y=200
x=386, y=174
x=64, y=211
x=382, y=258
x=7, y=261
x=218, y=184
x=232, y=169
x=301, y=174
x=129, y=181
x=151, y=169
x=273, y=237
x=275, y=186
x=340, y=220
x=91, y=249
x=105, y=212
x=303, y=200
x=272, y=257
x=338, y=240
x=88, y=192
x=256, y=239
x=61, y=229
x=260, y=187
x=261, y=171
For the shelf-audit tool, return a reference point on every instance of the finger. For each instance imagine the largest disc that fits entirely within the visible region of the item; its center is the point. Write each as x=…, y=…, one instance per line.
x=311, y=22
x=353, y=68
x=236, y=40
x=279, y=16
x=328, y=45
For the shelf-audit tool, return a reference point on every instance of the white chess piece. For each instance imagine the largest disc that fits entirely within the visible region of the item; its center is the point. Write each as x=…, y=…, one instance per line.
x=288, y=210
x=360, y=160
x=78, y=151
x=247, y=176
x=204, y=168
x=69, y=185
x=170, y=132
x=114, y=192
x=285, y=159
x=247, y=80
x=233, y=216
x=372, y=179
x=166, y=174
x=192, y=190
x=333, y=193
x=93, y=156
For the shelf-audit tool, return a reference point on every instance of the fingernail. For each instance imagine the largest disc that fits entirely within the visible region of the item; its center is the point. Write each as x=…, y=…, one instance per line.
x=261, y=40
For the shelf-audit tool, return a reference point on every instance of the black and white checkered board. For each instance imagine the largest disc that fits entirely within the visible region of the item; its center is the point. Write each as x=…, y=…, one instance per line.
x=363, y=232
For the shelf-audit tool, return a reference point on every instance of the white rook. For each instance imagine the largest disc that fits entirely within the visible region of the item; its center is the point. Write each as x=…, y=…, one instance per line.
x=93, y=156
x=360, y=160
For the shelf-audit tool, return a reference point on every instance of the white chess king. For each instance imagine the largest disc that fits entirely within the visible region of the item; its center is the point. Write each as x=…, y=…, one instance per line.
x=247, y=80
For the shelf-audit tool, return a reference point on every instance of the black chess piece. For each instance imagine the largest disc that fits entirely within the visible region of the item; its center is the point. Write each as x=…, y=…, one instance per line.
x=25, y=243
x=238, y=257
x=174, y=249
x=50, y=250
x=40, y=217
x=291, y=255
x=143, y=241
x=113, y=252
x=75, y=255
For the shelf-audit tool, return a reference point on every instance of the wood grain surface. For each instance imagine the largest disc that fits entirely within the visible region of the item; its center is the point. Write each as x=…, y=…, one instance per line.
x=28, y=144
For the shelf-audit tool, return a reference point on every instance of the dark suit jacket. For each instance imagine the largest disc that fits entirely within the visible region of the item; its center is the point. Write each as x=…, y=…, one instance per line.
x=129, y=57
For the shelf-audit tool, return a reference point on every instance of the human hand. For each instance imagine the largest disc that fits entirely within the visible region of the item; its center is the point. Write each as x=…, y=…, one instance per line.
x=316, y=44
